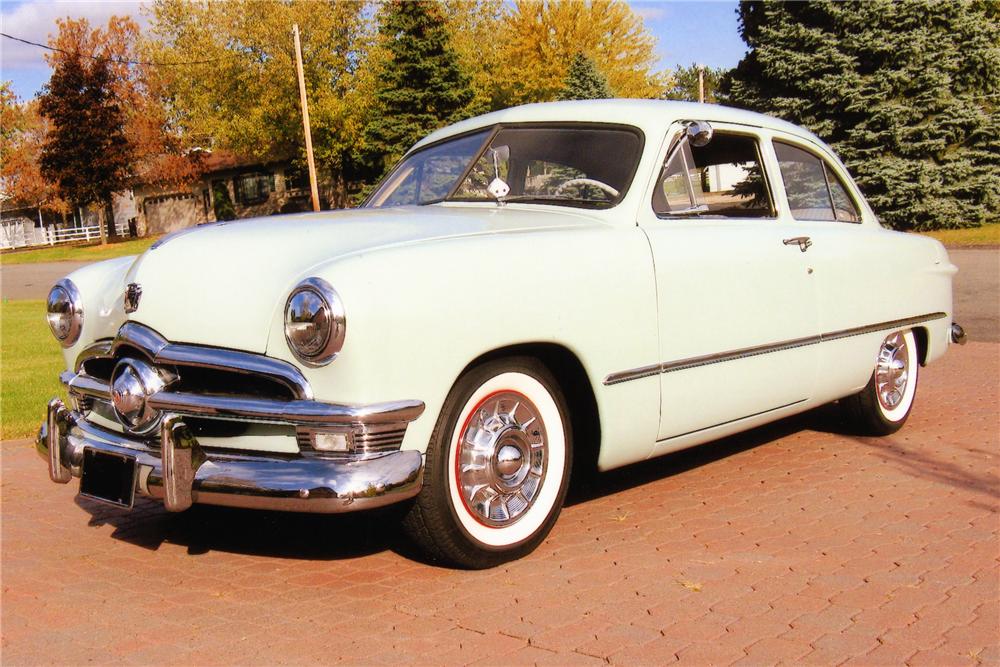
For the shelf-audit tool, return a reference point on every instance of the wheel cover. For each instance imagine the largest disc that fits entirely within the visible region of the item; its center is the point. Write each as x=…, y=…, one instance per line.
x=503, y=453
x=892, y=371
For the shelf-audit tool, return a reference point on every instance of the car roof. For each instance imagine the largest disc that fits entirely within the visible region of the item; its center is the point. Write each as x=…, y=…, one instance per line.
x=650, y=116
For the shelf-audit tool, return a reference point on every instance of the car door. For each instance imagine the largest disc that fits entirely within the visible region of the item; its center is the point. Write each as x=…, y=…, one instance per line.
x=857, y=265
x=736, y=302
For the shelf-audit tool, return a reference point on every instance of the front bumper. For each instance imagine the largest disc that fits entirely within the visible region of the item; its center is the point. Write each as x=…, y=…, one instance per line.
x=177, y=470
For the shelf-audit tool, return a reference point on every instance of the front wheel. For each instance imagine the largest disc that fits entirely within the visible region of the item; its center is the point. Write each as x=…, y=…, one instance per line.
x=497, y=466
x=881, y=408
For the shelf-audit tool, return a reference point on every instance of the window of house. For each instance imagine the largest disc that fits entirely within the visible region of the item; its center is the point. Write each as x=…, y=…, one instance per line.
x=813, y=189
x=723, y=178
x=253, y=188
x=296, y=177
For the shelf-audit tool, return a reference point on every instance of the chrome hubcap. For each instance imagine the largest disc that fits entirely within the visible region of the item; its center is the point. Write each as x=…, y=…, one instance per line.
x=891, y=371
x=502, y=458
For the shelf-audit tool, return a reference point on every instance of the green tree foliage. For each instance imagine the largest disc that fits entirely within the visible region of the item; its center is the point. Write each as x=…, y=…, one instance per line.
x=420, y=85
x=906, y=92
x=234, y=84
x=86, y=151
x=684, y=84
x=584, y=81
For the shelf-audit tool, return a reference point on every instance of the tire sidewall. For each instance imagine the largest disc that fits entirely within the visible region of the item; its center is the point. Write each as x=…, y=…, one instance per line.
x=528, y=377
x=898, y=415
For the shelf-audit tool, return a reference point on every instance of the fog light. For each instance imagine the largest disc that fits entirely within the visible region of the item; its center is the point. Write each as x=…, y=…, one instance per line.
x=333, y=441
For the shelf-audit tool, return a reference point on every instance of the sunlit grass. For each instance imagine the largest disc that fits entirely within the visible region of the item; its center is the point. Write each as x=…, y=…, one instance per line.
x=30, y=363
x=88, y=253
x=987, y=235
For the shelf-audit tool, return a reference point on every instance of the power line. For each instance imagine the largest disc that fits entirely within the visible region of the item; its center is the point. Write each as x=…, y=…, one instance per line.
x=121, y=61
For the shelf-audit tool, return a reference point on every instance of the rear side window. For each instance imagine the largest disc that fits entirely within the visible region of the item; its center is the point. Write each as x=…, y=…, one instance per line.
x=723, y=178
x=813, y=189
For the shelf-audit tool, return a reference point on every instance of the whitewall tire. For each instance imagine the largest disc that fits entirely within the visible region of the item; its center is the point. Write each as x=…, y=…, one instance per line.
x=883, y=406
x=497, y=466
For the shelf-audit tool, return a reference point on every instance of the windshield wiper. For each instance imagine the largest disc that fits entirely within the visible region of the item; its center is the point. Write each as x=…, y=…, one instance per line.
x=555, y=199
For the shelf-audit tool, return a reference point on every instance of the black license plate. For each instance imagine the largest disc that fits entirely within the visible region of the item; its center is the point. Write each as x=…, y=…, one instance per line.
x=108, y=477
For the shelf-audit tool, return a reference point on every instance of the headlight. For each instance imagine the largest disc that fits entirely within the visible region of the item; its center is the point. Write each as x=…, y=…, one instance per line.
x=65, y=312
x=315, y=324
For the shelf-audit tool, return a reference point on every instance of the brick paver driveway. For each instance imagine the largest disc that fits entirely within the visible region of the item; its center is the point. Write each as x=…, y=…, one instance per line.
x=793, y=543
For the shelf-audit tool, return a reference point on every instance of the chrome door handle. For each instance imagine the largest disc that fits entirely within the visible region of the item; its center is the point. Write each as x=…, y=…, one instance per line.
x=802, y=241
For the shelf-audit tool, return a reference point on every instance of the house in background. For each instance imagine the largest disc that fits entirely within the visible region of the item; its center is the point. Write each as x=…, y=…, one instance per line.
x=230, y=187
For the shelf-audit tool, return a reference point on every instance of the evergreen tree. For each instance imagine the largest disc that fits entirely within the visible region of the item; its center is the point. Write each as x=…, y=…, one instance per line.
x=905, y=92
x=584, y=81
x=86, y=153
x=684, y=84
x=420, y=86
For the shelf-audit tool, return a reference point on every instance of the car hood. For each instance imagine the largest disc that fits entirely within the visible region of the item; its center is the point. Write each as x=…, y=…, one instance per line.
x=219, y=284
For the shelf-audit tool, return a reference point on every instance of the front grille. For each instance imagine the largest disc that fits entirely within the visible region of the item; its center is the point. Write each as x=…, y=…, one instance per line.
x=228, y=394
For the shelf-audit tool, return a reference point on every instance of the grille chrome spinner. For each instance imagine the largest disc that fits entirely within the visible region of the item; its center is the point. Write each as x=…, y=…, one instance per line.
x=133, y=382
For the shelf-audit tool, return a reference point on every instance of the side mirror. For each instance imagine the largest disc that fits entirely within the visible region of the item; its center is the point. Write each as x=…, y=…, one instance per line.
x=699, y=133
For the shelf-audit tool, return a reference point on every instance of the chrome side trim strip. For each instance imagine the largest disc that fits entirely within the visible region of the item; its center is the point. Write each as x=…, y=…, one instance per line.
x=160, y=351
x=730, y=421
x=743, y=353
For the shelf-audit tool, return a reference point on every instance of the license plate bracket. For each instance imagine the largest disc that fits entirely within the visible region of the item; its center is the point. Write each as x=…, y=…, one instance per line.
x=108, y=477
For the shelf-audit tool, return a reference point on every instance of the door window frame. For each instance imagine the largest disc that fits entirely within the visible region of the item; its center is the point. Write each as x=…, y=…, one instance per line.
x=829, y=165
x=676, y=135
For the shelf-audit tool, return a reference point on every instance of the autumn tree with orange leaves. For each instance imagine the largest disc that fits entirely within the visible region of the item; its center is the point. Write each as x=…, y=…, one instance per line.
x=108, y=128
x=22, y=133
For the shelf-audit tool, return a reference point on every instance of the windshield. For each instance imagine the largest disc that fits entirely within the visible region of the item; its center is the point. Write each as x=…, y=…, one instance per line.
x=585, y=166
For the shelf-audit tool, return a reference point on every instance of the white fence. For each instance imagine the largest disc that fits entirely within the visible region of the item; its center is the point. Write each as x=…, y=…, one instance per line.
x=24, y=233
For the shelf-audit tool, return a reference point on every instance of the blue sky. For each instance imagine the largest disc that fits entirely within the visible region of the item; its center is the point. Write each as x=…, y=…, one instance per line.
x=687, y=32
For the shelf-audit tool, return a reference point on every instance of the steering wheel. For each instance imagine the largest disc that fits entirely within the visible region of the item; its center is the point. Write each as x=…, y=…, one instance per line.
x=587, y=181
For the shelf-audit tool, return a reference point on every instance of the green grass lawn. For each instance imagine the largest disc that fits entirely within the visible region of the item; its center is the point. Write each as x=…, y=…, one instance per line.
x=76, y=253
x=987, y=235
x=30, y=363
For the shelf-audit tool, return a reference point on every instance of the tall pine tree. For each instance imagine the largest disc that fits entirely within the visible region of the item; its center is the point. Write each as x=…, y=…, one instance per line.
x=584, y=81
x=86, y=153
x=905, y=92
x=420, y=86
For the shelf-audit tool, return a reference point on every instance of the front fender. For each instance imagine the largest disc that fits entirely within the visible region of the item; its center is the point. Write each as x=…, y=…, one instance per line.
x=102, y=289
x=418, y=314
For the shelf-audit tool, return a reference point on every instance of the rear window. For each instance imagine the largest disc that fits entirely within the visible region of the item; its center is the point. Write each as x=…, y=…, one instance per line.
x=813, y=189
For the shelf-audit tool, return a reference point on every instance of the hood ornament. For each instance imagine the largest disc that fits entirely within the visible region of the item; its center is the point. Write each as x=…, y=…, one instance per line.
x=133, y=292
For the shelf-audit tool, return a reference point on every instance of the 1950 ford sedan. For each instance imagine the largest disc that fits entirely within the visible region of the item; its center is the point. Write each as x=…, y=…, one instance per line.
x=612, y=280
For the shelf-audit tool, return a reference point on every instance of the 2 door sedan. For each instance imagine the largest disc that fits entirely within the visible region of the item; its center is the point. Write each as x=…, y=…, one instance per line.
x=606, y=280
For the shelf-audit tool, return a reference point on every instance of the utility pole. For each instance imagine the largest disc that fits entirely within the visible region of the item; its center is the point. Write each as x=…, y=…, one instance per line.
x=305, y=119
x=701, y=83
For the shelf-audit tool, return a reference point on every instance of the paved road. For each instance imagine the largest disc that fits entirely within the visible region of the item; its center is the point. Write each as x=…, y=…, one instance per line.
x=792, y=543
x=977, y=292
x=977, y=288
x=33, y=281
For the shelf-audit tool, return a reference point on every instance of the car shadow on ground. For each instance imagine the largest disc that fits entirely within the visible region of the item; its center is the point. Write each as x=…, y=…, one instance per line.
x=203, y=529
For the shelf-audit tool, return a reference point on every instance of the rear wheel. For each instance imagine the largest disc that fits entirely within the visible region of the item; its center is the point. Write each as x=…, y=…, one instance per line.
x=497, y=466
x=883, y=406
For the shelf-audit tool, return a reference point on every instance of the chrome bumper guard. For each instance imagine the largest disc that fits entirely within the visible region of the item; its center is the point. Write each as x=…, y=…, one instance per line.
x=958, y=334
x=178, y=471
